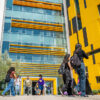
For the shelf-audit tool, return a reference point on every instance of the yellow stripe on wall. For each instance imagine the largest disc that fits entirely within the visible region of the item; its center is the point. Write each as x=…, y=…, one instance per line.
x=36, y=51
x=40, y=27
x=52, y=24
x=37, y=5
x=37, y=46
x=42, y=2
x=34, y=64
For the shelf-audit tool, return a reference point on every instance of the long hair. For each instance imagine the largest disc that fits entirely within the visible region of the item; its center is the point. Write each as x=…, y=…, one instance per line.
x=10, y=70
x=66, y=58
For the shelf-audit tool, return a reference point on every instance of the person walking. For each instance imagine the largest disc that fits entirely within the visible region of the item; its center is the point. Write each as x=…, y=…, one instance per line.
x=49, y=89
x=45, y=88
x=28, y=85
x=67, y=75
x=81, y=70
x=37, y=89
x=10, y=86
x=41, y=84
x=17, y=85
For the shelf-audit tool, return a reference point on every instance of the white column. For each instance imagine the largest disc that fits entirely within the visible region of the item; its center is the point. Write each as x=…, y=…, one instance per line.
x=66, y=26
x=2, y=7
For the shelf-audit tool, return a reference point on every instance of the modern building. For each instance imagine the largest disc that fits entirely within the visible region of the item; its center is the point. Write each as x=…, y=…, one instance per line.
x=34, y=33
x=84, y=27
x=39, y=33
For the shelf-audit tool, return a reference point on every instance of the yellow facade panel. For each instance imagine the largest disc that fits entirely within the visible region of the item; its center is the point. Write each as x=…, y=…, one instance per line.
x=73, y=42
x=72, y=10
x=97, y=58
x=90, y=19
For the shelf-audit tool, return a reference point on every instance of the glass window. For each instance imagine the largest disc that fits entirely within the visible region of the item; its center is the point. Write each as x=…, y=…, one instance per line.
x=29, y=9
x=85, y=37
x=17, y=8
x=36, y=16
x=36, y=57
x=74, y=23
x=79, y=23
x=68, y=3
x=7, y=27
x=41, y=10
x=77, y=6
x=98, y=79
x=78, y=18
x=7, y=19
x=29, y=31
x=13, y=56
x=36, y=32
x=99, y=9
x=35, y=10
x=48, y=12
x=28, y=57
x=25, y=9
x=69, y=26
x=5, y=46
x=9, y=4
x=85, y=3
x=14, y=30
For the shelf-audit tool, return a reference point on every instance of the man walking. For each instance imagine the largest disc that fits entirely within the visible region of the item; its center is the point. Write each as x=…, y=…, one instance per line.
x=28, y=85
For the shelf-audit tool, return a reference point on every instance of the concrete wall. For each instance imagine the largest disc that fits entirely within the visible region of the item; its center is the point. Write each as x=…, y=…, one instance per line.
x=2, y=7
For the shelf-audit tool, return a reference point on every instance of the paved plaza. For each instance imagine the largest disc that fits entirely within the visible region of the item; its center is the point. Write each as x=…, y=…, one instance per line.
x=49, y=97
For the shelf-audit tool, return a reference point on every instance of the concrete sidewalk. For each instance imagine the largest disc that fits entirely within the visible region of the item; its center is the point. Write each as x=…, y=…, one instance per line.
x=49, y=97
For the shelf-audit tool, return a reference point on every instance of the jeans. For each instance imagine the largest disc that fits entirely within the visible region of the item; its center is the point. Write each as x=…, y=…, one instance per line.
x=10, y=86
x=82, y=79
x=77, y=87
x=17, y=89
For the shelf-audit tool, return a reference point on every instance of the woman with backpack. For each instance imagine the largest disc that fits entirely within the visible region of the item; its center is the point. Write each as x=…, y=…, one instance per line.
x=67, y=75
x=11, y=76
x=81, y=69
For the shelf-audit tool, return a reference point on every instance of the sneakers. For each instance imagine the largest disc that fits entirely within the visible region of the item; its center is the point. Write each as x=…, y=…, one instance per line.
x=79, y=93
x=61, y=92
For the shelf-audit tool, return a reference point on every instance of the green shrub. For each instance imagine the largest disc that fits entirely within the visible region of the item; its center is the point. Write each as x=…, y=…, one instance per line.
x=98, y=91
x=7, y=93
x=95, y=92
x=1, y=92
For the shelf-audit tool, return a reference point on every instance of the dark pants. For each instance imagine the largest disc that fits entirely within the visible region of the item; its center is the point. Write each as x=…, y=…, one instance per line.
x=28, y=90
x=67, y=85
x=82, y=79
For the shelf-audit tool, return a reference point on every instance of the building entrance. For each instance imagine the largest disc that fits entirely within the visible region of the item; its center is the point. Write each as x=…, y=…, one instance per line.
x=33, y=88
x=50, y=86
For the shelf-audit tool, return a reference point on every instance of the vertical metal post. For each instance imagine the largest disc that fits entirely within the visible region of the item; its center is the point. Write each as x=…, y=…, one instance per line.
x=2, y=10
x=66, y=26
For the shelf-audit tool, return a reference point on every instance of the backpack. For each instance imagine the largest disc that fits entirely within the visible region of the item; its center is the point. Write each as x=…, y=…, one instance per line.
x=75, y=61
x=61, y=70
x=7, y=79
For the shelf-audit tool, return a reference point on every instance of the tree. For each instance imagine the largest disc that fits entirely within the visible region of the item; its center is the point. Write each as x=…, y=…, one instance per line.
x=6, y=63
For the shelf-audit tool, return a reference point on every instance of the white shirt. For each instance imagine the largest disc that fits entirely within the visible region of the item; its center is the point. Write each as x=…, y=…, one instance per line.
x=18, y=81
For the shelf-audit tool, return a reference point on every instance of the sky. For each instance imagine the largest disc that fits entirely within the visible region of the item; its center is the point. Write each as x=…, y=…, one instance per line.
x=1, y=15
